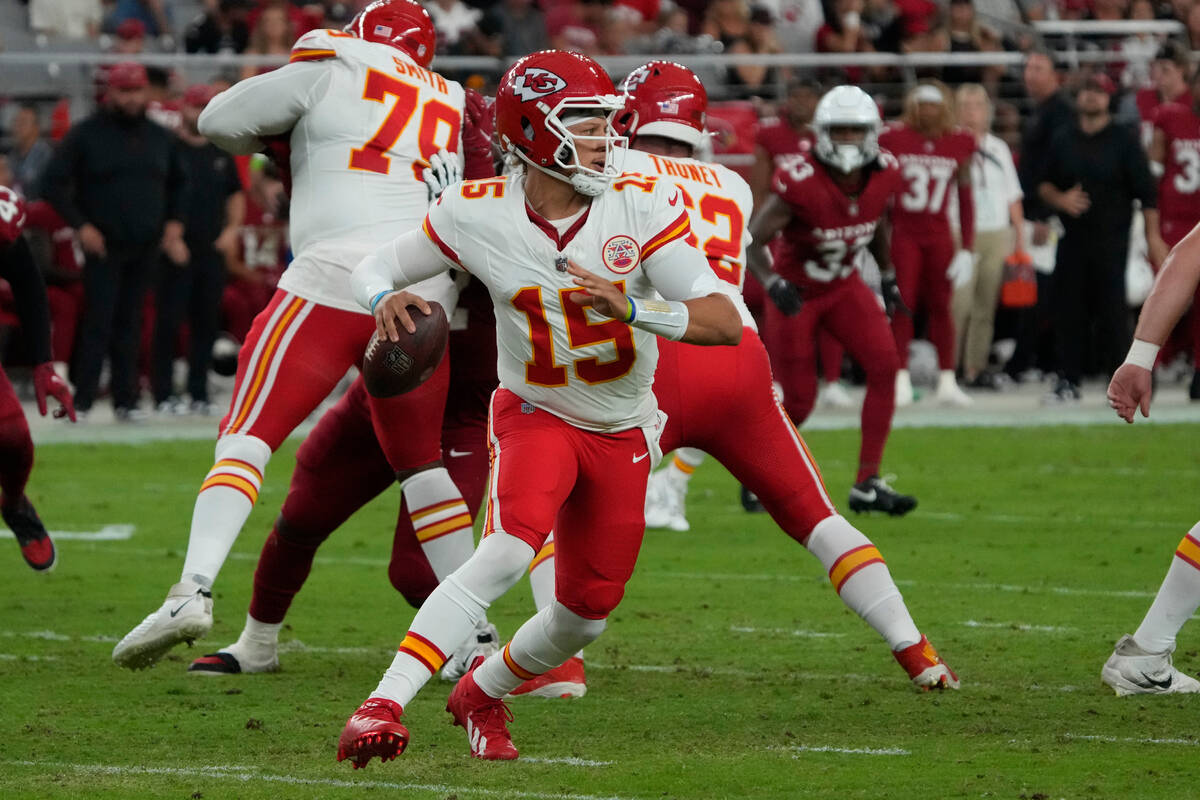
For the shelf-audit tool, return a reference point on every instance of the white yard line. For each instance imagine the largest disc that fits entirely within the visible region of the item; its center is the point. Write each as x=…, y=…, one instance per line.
x=247, y=774
x=14, y=657
x=786, y=632
x=570, y=761
x=109, y=533
x=797, y=749
x=1131, y=740
x=1020, y=626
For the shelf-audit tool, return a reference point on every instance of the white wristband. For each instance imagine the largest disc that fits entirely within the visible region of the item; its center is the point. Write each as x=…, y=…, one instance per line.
x=665, y=318
x=1142, y=354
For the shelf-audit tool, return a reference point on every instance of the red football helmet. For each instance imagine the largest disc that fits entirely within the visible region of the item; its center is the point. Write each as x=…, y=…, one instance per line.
x=403, y=24
x=544, y=93
x=665, y=99
x=12, y=216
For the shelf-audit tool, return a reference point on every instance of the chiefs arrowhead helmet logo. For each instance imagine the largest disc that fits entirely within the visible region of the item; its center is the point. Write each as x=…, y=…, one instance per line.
x=537, y=82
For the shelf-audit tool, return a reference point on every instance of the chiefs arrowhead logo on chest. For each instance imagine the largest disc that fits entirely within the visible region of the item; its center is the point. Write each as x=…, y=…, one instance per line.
x=621, y=254
x=537, y=82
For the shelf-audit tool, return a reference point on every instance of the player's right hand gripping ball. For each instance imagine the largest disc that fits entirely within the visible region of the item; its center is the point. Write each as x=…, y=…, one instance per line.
x=392, y=368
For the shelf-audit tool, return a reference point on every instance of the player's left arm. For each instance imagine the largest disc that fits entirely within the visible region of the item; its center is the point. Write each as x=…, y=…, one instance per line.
x=696, y=311
x=880, y=248
x=1173, y=290
x=239, y=118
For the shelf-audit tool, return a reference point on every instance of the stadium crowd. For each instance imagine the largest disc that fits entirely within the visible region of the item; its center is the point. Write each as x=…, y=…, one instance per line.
x=185, y=291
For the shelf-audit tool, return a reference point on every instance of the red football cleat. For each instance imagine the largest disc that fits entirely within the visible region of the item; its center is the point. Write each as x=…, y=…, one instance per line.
x=373, y=730
x=563, y=681
x=36, y=545
x=485, y=719
x=925, y=667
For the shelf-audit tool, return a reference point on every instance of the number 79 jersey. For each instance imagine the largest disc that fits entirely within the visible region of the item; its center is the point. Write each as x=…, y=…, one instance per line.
x=592, y=371
x=820, y=247
x=362, y=141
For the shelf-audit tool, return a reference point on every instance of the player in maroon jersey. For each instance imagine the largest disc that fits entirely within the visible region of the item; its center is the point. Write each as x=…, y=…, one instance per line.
x=829, y=207
x=1175, y=156
x=16, y=447
x=1169, y=71
x=933, y=156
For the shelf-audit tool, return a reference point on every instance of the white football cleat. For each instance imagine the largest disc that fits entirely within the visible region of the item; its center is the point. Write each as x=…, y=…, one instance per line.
x=1132, y=670
x=949, y=393
x=239, y=658
x=664, y=503
x=834, y=395
x=904, y=389
x=481, y=644
x=185, y=616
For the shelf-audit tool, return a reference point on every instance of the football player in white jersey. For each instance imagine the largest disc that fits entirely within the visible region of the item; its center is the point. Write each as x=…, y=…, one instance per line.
x=574, y=256
x=1142, y=663
x=364, y=118
x=721, y=400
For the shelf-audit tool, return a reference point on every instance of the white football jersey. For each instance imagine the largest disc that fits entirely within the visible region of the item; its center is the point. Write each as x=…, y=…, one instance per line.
x=719, y=205
x=592, y=371
x=363, y=120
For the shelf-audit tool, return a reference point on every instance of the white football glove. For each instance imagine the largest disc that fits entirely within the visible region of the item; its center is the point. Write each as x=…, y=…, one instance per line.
x=443, y=171
x=962, y=268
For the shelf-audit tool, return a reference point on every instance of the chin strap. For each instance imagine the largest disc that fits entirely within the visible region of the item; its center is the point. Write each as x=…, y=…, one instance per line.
x=590, y=185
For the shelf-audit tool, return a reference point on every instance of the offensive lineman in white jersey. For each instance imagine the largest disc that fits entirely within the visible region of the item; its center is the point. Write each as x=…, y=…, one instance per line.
x=572, y=256
x=364, y=118
x=722, y=402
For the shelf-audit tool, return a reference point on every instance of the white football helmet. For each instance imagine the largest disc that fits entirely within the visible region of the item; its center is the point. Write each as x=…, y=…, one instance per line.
x=847, y=106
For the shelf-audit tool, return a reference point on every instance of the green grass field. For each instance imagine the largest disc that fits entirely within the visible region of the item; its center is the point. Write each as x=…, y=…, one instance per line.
x=730, y=670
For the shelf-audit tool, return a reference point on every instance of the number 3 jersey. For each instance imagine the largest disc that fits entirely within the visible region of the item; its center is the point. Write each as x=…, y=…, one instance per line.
x=592, y=371
x=1179, y=188
x=362, y=119
x=819, y=248
x=930, y=171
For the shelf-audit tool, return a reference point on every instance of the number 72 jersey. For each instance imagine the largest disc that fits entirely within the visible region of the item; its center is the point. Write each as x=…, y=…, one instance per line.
x=820, y=247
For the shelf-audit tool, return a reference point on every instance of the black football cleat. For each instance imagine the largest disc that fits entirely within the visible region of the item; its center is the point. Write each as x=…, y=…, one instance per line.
x=1194, y=388
x=36, y=545
x=874, y=494
x=750, y=501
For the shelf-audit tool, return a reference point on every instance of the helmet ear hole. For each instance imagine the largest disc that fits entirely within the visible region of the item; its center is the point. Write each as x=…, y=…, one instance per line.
x=527, y=128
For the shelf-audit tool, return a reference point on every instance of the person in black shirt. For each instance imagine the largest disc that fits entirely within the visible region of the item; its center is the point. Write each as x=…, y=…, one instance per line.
x=1095, y=170
x=118, y=179
x=220, y=29
x=213, y=213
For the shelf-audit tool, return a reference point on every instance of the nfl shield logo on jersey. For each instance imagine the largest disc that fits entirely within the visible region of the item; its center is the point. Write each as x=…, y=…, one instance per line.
x=537, y=82
x=621, y=254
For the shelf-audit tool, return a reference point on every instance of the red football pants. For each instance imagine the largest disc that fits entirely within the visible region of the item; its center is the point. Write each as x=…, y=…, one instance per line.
x=16, y=446
x=296, y=352
x=921, y=262
x=720, y=400
x=851, y=314
x=339, y=469
x=589, y=488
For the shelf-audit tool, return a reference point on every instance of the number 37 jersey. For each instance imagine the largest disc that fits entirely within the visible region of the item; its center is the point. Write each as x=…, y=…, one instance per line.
x=592, y=371
x=820, y=247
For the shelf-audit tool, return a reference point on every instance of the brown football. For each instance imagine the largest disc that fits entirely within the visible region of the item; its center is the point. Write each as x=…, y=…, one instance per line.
x=392, y=368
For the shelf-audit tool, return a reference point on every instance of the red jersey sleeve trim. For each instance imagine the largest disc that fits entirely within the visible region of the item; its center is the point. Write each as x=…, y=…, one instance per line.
x=447, y=251
x=311, y=55
x=676, y=230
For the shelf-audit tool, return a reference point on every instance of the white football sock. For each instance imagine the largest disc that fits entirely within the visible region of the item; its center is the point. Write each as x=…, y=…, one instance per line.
x=683, y=465
x=450, y=615
x=541, y=575
x=946, y=380
x=226, y=497
x=861, y=578
x=1177, y=599
x=544, y=642
x=441, y=520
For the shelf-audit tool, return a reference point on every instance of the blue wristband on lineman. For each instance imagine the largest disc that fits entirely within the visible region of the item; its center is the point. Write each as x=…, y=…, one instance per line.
x=375, y=300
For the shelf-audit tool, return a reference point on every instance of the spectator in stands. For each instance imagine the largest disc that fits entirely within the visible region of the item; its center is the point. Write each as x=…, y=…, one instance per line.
x=1095, y=170
x=514, y=28
x=273, y=34
x=30, y=152
x=796, y=23
x=1139, y=49
x=68, y=19
x=1169, y=73
x=1192, y=23
x=575, y=25
x=965, y=34
x=213, y=213
x=222, y=28
x=843, y=32
x=1051, y=112
x=130, y=38
x=118, y=179
x=999, y=227
x=152, y=14
x=755, y=80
